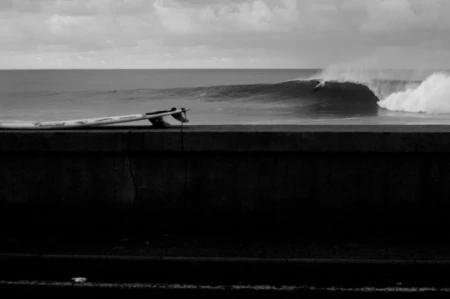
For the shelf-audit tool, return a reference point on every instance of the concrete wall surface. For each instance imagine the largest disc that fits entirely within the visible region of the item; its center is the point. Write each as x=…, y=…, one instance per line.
x=373, y=180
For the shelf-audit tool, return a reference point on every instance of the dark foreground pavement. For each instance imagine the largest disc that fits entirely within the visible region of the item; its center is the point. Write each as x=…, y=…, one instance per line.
x=95, y=290
x=225, y=267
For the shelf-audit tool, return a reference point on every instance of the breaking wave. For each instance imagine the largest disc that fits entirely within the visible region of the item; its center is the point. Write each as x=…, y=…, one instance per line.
x=340, y=96
x=418, y=92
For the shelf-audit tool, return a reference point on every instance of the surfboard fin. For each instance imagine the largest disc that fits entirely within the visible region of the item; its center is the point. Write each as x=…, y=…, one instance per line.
x=181, y=117
x=159, y=122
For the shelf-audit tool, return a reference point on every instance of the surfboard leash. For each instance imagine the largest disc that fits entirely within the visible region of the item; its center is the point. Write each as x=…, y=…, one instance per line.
x=132, y=172
x=183, y=149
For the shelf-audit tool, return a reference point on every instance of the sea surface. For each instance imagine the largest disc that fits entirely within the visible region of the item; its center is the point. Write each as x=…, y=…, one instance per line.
x=344, y=96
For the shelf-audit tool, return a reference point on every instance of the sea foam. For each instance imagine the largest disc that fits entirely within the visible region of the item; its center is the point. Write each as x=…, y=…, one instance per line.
x=431, y=96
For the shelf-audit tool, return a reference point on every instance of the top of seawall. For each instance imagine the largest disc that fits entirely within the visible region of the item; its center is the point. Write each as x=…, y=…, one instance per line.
x=235, y=138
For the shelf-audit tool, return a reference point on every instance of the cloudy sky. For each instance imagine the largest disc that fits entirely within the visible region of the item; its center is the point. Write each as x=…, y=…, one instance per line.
x=224, y=34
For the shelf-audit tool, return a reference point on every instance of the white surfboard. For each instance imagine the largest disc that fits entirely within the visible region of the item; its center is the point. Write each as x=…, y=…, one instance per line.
x=320, y=83
x=156, y=118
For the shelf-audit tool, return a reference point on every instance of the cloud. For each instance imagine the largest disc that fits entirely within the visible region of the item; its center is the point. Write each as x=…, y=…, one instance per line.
x=257, y=15
x=401, y=15
x=97, y=7
x=236, y=33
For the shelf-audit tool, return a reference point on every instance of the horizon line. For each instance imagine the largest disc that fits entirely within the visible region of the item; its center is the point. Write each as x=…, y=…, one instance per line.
x=218, y=69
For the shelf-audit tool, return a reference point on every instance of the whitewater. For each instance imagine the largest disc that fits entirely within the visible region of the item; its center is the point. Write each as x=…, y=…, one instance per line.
x=431, y=96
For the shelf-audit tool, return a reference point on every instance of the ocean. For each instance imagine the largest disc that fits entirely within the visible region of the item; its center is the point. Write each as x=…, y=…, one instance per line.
x=219, y=97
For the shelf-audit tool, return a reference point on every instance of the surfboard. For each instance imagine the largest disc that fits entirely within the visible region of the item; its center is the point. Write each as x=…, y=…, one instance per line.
x=319, y=84
x=155, y=117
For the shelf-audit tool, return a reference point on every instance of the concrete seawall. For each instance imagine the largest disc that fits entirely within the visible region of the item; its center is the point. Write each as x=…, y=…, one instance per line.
x=373, y=180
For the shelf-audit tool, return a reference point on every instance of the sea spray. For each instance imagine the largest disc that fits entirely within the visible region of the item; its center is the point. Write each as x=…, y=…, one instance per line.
x=431, y=96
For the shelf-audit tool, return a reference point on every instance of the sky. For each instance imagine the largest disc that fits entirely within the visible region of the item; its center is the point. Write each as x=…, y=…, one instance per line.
x=53, y=34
